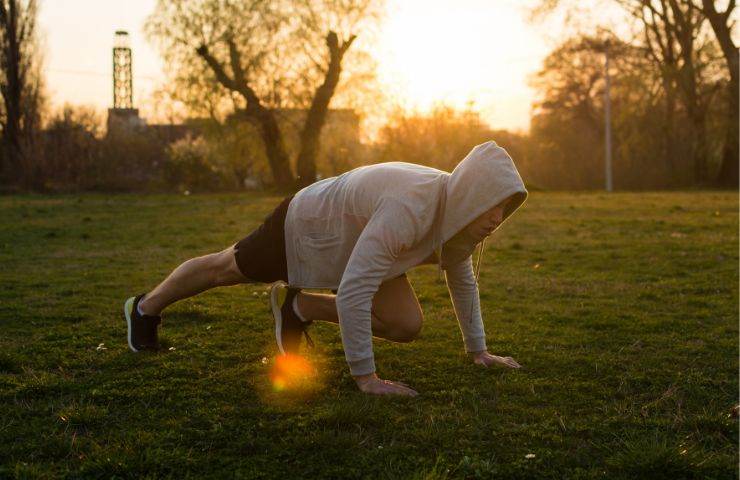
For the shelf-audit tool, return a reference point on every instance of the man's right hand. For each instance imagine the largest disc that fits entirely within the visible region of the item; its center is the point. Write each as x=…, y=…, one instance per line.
x=374, y=385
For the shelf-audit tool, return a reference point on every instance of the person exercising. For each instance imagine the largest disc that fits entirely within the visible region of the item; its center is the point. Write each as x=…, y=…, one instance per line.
x=357, y=234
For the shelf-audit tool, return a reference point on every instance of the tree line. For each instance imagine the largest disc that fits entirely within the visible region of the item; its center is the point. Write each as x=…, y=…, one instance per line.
x=676, y=87
x=241, y=64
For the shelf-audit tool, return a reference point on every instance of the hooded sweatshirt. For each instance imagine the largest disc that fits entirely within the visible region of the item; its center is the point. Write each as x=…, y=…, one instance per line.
x=373, y=223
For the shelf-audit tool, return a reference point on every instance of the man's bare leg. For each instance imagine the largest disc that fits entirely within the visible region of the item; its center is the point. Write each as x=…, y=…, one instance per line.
x=193, y=277
x=396, y=313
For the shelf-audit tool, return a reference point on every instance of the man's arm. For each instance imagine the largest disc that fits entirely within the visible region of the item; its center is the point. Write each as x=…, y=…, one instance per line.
x=380, y=243
x=466, y=300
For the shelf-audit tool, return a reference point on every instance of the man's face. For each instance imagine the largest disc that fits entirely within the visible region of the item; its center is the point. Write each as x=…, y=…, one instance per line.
x=486, y=223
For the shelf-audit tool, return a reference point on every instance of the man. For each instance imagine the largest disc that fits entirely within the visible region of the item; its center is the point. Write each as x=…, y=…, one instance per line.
x=357, y=234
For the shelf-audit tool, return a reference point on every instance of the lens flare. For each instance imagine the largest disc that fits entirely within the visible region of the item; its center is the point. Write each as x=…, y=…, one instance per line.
x=278, y=383
x=290, y=371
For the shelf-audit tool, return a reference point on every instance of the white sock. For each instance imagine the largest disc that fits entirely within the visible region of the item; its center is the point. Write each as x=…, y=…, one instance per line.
x=296, y=310
x=138, y=306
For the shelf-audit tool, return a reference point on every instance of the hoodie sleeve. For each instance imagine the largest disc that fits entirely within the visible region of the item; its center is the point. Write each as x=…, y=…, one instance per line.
x=386, y=234
x=464, y=291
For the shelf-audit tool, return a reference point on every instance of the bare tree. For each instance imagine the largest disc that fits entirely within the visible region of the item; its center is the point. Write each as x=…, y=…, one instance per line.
x=19, y=85
x=265, y=56
x=672, y=31
x=722, y=27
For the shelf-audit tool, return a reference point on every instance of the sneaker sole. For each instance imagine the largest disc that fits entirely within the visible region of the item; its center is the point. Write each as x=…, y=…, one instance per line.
x=274, y=291
x=128, y=310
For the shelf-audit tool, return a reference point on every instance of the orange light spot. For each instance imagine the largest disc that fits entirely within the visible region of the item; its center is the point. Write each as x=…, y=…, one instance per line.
x=278, y=383
x=290, y=370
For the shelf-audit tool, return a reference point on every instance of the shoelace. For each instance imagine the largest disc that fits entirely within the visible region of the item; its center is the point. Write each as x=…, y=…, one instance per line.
x=304, y=328
x=308, y=338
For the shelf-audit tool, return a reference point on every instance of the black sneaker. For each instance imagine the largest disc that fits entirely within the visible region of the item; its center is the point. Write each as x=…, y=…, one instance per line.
x=142, y=329
x=288, y=326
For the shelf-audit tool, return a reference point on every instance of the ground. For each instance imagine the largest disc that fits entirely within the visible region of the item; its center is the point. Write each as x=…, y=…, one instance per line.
x=622, y=308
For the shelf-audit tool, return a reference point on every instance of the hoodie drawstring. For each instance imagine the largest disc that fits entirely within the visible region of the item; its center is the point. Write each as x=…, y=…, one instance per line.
x=476, y=275
x=437, y=237
x=480, y=255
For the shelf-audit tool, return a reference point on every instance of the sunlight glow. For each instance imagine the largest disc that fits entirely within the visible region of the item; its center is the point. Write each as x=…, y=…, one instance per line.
x=290, y=371
x=475, y=52
x=427, y=51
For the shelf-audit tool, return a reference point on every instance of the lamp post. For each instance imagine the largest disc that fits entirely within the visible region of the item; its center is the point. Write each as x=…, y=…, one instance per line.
x=608, y=122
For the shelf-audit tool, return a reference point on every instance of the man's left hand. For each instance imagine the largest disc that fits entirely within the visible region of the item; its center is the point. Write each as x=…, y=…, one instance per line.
x=486, y=359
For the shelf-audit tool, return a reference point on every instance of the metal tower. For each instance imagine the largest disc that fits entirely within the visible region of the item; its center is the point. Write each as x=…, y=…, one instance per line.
x=123, y=91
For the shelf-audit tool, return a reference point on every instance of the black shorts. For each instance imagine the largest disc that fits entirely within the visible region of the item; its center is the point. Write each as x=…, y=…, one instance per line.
x=261, y=255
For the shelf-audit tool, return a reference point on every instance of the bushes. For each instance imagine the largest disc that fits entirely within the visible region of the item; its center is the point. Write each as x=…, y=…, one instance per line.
x=439, y=139
x=73, y=155
x=129, y=162
x=443, y=137
x=69, y=149
x=187, y=167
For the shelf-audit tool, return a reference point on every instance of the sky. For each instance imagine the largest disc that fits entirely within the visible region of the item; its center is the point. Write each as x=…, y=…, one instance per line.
x=429, y=51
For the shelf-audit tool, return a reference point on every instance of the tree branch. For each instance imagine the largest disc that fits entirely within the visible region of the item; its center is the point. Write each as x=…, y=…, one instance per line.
x=236, y=62
x=728, y=12
x=347, y=43
x=217, y=68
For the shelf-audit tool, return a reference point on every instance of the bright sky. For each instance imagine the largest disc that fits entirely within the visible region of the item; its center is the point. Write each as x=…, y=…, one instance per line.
x=456, y=51
x=477, y=50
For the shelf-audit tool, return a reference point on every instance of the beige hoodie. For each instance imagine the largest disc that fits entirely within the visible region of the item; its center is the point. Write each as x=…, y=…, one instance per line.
x=373, y=223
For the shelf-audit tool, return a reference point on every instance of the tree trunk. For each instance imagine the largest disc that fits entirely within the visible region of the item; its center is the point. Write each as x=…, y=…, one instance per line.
x=697, y=119
x=669, y=130
x=686, y=24
x=277, y=157
x=316, y=117
x=12, y=91
x=270, y=133
x=728, y=172
x=699, y=151
x=728, y=176
x=696, y=111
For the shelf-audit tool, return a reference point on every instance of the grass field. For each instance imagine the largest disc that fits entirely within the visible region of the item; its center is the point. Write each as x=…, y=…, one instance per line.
x=623, y=310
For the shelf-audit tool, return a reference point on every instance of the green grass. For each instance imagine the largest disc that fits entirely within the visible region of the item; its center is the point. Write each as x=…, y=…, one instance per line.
x=622, y=309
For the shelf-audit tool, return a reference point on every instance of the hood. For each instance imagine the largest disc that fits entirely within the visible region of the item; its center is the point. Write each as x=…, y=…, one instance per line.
x=482, y=180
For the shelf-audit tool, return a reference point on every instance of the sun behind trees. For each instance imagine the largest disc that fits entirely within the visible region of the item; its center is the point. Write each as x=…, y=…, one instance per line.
x=278, y=94
x=263, y=56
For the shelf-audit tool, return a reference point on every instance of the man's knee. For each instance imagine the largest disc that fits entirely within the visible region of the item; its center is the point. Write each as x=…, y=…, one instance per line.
x=226, y=271
x=409, y=330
